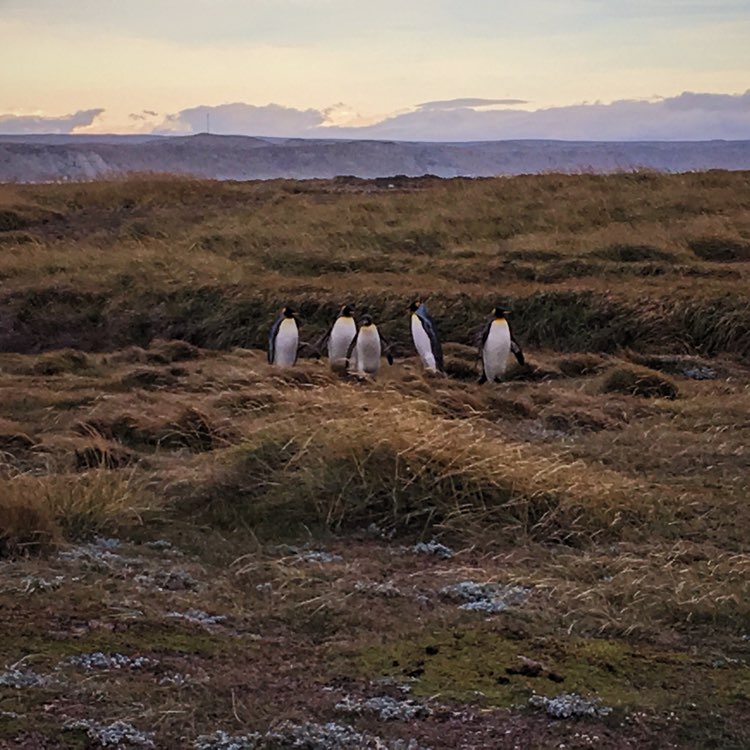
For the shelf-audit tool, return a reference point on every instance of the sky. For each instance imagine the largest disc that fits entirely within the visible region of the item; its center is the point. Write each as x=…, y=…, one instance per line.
x=401, y=69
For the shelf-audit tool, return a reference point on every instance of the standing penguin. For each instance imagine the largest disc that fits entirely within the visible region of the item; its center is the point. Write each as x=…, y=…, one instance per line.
x=339, y=336
x=425, y=337
x=367, y=347
x=496, y=345
x=283, y=339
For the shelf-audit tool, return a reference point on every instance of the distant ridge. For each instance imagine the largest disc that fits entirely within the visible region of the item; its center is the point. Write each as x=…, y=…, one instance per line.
x=46, y=158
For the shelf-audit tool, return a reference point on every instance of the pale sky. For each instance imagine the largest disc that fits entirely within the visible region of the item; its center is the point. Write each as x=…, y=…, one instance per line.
x=156, y=65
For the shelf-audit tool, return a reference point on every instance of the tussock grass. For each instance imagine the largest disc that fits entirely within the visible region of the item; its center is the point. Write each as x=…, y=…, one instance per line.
x=350, y=460
x=721, y=250
x=623, y=253
x=638, y=592
x=37, y=512
x=208, y=262
x=13, y=436
x=639, y=381
x=168, y=426
x=577, y=365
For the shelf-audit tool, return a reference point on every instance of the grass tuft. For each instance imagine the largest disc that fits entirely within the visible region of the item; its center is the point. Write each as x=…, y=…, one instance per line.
x=36, y=512
x=639, y=381
x=721, y=250
x=61, y=362
x=632, y=253
x=401, y=467
x=578, y=365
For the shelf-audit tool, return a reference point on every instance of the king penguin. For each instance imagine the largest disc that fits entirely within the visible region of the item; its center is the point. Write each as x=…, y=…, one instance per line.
x=496, y=346
x=367, y=348
x=339, y=336
x=283, y=339
x=425, y=337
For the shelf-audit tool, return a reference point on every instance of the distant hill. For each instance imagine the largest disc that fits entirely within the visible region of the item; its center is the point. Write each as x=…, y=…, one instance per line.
x=43, y=158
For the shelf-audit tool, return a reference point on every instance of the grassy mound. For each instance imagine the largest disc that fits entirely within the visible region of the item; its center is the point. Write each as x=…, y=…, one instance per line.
x=721, y=250
x=350, y=460
x=577, y=365
x=36, y=512
x=639, y=381
x=631, y=253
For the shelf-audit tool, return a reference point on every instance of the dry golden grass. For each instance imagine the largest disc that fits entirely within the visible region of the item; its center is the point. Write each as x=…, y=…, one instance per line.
x=344, y=458
x=36, y=512
x=623, y=511
x=118, y=263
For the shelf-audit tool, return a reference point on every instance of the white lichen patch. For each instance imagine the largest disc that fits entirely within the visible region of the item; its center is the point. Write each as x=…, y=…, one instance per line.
x=385, y=708
x=307, y=736
x=433, y=548
x=119, y=734
x=490, y=598
x=386, y=589
x=23, y=678
x=99, y=660
x=199, y=617
x=570, y=706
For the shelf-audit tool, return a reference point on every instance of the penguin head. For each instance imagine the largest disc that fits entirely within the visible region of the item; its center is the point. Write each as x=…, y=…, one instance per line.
x=414, y=306
x=501, y=312
x=288, y=312
x=346, y=311
x=366, y=320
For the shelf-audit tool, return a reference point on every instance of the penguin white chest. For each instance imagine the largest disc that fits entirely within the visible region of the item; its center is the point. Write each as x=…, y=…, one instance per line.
x=368, y=350
x=343, y=332
x=422, y=342
x=287, y=341
x=496, y=350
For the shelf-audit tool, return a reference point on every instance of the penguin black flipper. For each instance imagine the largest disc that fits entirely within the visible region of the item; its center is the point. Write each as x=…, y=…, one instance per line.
x=322, y=340
x=481, y=339
x=351, y=348
x=515, y=347
x=386, y=345
x=429, y=326
x=272, y=337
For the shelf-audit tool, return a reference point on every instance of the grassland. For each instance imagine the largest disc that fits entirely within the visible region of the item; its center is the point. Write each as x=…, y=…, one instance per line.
x=607, y=480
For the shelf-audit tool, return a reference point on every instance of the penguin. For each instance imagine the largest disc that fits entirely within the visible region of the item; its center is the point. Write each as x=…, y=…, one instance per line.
x=367, y=348
x=283, y=339
x=339, y=336
x=496, y=345
x=425, y=338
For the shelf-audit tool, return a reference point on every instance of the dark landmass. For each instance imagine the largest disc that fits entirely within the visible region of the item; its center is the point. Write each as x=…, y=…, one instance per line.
x=48, y=158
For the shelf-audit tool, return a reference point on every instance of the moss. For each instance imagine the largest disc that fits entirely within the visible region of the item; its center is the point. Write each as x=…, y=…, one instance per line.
x=459, y=662
x=139, y=638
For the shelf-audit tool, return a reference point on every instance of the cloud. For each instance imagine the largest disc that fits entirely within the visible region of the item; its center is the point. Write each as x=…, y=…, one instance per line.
x=468, y=103
x=689, y=116
x=245, y=119
x=29, y=124
x=144, y=114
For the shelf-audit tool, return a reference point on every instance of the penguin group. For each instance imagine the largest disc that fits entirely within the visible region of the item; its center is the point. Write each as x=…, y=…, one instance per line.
x=359, y=349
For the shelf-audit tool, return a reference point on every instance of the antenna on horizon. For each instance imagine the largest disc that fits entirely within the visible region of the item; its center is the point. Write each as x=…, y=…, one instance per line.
x=208, y=123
